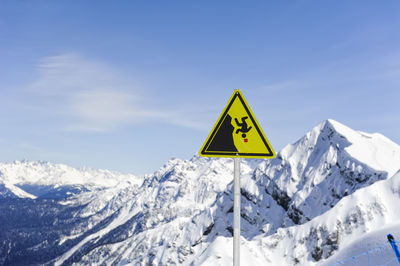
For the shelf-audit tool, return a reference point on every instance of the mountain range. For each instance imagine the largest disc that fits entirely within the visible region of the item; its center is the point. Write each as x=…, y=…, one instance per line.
x=333, y=191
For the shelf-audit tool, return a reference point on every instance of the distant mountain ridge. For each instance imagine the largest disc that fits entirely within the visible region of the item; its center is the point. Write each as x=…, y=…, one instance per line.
x=317, y=195
x=28, y=179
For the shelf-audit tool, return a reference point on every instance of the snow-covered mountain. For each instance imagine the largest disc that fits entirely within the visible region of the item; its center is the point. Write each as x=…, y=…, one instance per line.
x=39, y=179
x=322, y=193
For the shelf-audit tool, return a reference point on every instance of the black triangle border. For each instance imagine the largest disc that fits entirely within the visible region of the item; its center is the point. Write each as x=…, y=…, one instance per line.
x=227, y=154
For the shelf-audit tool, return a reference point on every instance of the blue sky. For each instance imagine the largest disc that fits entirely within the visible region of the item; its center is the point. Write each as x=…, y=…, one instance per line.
x=130, y=84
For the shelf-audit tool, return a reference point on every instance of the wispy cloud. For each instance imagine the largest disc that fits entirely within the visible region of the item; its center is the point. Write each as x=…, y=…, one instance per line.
x=93, y=96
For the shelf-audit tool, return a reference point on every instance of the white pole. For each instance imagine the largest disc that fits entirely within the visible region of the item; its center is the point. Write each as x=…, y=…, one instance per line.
x=236, y=213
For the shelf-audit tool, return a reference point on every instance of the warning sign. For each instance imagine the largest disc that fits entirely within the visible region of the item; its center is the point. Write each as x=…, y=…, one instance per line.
x=237, y=133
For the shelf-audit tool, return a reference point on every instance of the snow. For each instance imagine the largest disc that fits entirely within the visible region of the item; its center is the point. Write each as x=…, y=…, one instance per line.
x=219, y=253
x=372, y=247
x=42, y=177
x=331, y=195
x=19, y=192
x=354, y=217
x=375, y=150
x=45, y=173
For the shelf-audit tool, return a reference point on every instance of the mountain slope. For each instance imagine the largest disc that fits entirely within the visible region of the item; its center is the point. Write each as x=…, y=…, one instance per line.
x=329, y=162
x=316, y=197
x=169, y=215
x=371, y=247
x=358, y=223
x=325, y=167
x=365, y=211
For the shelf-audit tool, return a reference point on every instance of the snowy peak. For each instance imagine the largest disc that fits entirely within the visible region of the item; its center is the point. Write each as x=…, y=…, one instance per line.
x=331, y=143
x=45, y=173
x=330, y=162
x=375, y=150
x=27, y=179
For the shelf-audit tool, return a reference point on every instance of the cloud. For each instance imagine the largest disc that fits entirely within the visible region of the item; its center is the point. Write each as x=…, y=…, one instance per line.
x=93, y=96
x=69, y=73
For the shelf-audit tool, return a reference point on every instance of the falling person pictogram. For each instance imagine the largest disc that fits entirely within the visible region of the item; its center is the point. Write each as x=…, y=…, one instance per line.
x=244, y=127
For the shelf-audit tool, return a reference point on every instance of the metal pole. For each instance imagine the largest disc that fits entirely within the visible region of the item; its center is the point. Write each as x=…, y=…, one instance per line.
x=236, y=213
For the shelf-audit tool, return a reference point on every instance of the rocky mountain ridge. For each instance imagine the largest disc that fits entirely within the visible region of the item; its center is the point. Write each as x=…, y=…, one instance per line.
x=301, y=207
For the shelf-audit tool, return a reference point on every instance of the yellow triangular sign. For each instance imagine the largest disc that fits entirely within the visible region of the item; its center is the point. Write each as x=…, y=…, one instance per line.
x=237, y=133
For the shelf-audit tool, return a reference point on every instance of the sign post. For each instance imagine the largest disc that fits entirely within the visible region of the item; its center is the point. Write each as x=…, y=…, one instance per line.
x=237, y=134
x=236, y=212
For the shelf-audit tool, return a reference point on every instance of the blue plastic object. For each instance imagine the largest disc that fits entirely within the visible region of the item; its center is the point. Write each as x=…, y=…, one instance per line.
x=394, y=246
